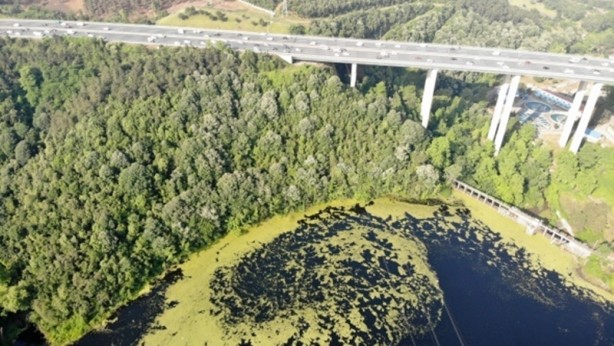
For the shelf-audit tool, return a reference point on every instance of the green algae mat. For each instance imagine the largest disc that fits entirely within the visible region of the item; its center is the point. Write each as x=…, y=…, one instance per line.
x=345, y=274
x=340, y=276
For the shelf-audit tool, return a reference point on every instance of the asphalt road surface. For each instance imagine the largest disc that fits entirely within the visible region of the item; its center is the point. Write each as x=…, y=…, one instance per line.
x=329, y=49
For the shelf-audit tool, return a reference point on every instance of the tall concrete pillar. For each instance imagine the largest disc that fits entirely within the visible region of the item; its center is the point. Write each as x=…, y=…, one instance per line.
x=498, y=108
x=505, y=113
x=353, y=75
x=427, y=97
x=586, y=117
x=573, y=114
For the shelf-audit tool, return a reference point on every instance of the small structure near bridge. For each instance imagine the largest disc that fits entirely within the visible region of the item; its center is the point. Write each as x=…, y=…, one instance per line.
x=533, y=225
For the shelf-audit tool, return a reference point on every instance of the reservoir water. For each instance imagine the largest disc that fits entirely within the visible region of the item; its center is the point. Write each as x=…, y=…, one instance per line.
x=493, y=292
x=493, y=298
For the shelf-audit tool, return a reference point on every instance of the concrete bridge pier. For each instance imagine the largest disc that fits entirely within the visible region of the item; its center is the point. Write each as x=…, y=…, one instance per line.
x=286, y=57
x=593, y=96
x=573, y=114
x=427, y=97
x=505, y=114
x=496, y=117
x=353, y=75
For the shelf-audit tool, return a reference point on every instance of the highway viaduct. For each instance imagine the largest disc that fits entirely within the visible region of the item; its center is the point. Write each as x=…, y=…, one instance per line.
x=593, y=73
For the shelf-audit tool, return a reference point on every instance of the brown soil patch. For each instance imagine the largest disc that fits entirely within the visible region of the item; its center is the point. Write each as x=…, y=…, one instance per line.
x=64, y=5
x=225, y=5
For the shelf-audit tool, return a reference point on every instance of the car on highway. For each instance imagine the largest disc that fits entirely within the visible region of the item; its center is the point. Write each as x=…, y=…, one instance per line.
x=397, y=46
x=106, y=28
x=496, y=53
x=568, y=70
x=180, y=31
x=359, y=44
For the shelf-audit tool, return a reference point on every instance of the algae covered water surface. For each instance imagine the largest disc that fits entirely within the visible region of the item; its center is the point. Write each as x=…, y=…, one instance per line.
x=340, y=277
x=347, y=276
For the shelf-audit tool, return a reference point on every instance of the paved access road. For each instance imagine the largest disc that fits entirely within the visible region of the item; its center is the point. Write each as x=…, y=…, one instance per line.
x=339, y=50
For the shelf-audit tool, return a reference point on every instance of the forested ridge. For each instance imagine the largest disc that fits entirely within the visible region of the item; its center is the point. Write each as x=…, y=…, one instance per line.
x=118, y=161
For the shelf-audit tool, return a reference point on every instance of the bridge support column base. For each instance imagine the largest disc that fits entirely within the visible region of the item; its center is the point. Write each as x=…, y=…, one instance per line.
x=496, y=117
x=573, y=114
x=505, y=114
x=586, y=117
x=353, y=75
x=427, y=97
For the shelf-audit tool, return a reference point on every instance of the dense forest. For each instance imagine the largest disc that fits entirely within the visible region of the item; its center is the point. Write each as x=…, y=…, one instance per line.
x=473, y=22
x=117, y=161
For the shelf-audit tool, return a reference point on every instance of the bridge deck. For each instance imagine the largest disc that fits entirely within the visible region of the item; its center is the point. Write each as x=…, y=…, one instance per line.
x=336, y=50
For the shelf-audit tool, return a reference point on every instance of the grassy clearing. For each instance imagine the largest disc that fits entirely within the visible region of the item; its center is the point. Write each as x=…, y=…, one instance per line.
x=245, y=19
x=546, y=254
x=605, y=190
x=532, y=4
